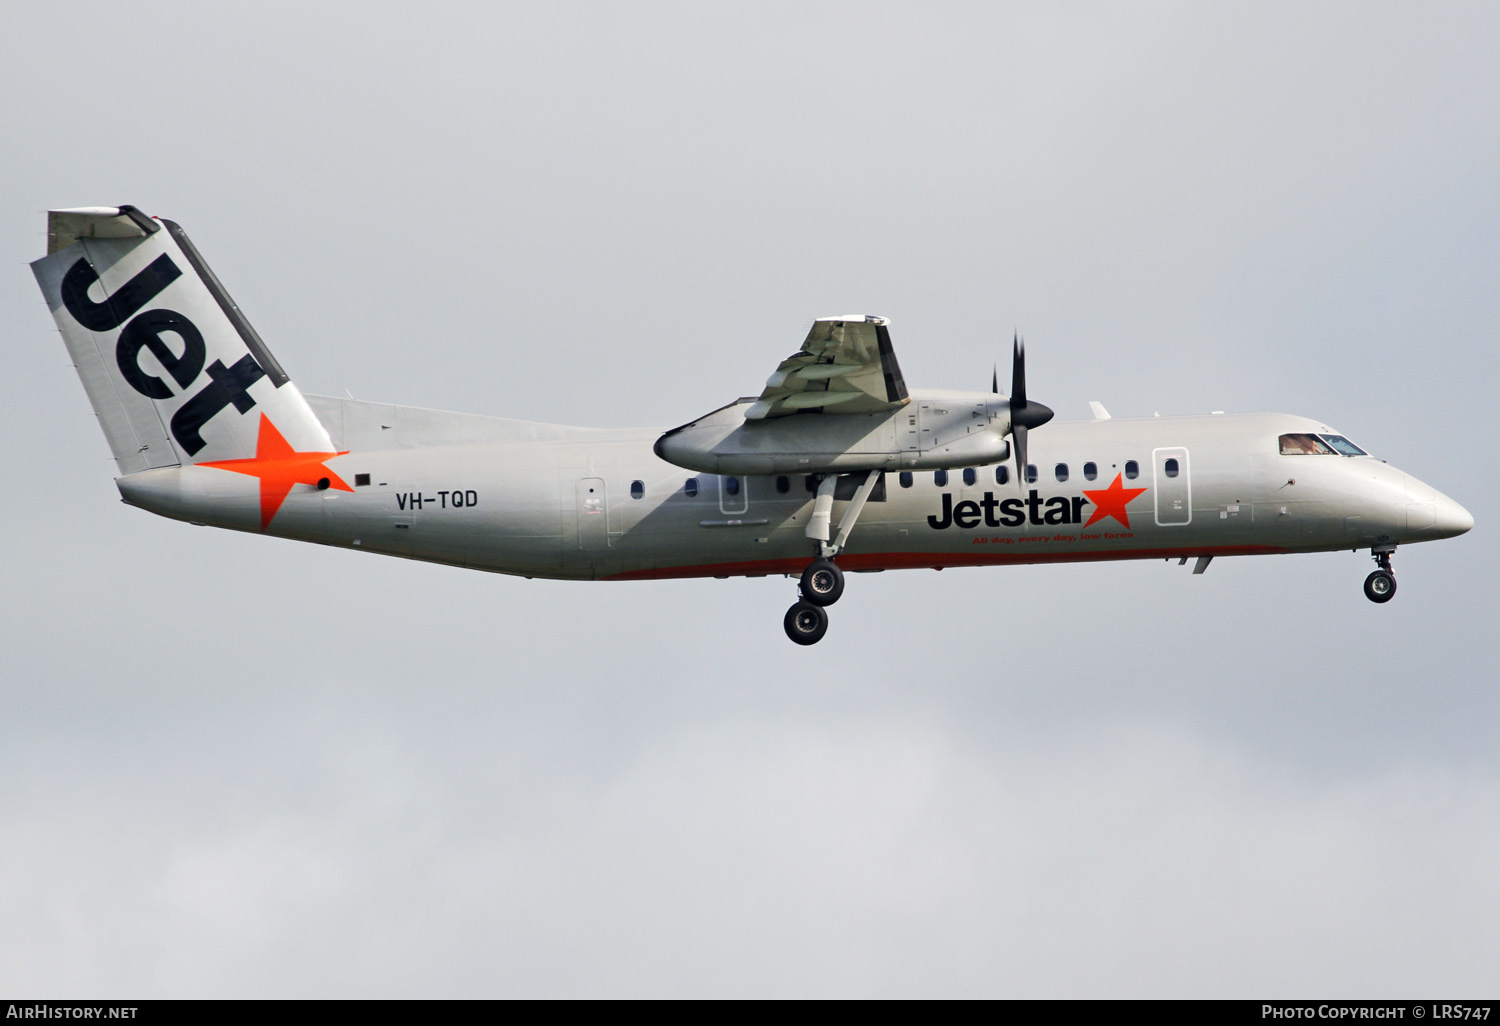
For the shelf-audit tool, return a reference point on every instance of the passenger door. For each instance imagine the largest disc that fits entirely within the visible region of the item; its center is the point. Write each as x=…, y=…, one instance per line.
x=1174, y=495
x=734, y=494
x=593, y=514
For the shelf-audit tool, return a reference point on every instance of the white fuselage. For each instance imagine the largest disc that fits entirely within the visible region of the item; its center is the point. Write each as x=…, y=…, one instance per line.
x=549, y=501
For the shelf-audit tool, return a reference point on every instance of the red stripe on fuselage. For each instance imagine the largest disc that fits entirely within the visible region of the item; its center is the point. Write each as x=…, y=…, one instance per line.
x=934, y=561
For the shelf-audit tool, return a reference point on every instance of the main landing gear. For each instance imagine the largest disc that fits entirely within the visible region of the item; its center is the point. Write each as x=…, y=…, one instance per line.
x=821, y=585
x=823, y=582
x=1380, y=586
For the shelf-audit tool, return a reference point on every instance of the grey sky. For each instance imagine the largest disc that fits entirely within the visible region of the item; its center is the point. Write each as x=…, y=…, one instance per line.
x=236, y=766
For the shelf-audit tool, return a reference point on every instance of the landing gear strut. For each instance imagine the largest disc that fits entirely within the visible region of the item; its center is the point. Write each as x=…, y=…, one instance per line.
x=1380, y=586
x=823, y=582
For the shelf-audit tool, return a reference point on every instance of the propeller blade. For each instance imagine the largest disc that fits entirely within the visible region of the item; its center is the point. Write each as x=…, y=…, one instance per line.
x=995, y=380
x=1023, y=413
x=1018, y=375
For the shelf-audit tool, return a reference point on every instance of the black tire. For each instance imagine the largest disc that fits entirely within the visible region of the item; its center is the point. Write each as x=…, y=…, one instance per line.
x=1380, y=586
x=805, y=623
x=822, y=583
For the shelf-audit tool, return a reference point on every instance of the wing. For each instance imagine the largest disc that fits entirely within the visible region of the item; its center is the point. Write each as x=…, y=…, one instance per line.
x=845, y=366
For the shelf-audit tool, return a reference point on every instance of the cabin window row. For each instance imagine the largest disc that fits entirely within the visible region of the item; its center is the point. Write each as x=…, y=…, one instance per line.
x=1060, y=473
x=732, y=486
x=970, y=476
x=1290, y=444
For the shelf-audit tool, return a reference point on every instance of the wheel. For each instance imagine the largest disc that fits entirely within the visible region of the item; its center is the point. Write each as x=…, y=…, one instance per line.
x=822, y=583
x=1380, y=586
x=805, y=623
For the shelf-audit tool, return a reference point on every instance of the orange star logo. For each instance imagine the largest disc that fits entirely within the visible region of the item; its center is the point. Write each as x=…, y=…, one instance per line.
x=279, y=466
x=1111, y=502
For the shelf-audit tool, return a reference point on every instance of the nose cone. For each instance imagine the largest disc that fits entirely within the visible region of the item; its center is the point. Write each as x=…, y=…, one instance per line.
x=1451, y=518
x=1430, y=514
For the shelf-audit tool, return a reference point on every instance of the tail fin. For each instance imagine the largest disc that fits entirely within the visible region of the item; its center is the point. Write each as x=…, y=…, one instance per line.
x=168, y=361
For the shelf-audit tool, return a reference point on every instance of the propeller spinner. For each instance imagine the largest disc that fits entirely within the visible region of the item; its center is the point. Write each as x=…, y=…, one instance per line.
x=1023, y=414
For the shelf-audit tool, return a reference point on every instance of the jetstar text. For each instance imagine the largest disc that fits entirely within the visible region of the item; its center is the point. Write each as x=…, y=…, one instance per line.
x=992, y=512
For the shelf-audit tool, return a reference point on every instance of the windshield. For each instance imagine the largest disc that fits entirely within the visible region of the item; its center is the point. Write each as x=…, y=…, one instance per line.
x=1307, y=444
x=1344, y=446
x=1304, y=445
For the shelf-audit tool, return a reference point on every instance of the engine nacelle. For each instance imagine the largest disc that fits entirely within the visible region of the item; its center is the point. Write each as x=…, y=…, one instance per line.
x=932, y=431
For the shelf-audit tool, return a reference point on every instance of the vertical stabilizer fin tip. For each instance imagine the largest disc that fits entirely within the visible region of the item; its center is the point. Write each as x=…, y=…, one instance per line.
x=1100, y=413
x=67, y=226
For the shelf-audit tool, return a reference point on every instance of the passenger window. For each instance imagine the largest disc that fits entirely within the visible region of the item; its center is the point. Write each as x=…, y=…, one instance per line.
x=940, y=478
x=1002, y=474
x=1132, y=470
x=1060, y=472
x=731, y=486
x=1170, y=467
x=783, y=485
x=1031, y=474
x=637, y=489
x=905, y=479
x=1090, y=471
x=691, y=488
x=970, y=475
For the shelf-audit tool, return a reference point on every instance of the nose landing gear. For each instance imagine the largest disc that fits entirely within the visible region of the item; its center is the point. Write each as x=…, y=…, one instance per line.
x=1380, y=586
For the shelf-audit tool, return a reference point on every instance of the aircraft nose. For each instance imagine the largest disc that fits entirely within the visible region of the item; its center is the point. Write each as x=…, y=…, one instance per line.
x=1432, y=514
x=1451, y=519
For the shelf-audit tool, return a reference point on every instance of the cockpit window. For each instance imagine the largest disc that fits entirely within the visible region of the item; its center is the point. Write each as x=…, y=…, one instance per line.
x=1304, y=445
x=1343, y=446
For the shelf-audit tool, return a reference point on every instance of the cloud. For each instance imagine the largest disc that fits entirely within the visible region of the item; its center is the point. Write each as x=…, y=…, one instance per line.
x=1122, y=858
